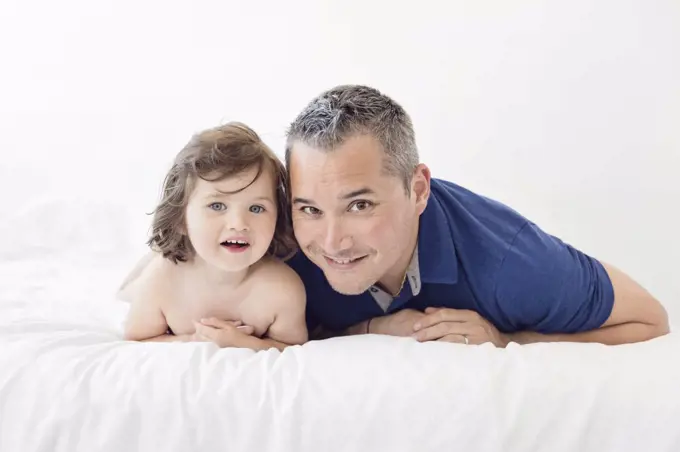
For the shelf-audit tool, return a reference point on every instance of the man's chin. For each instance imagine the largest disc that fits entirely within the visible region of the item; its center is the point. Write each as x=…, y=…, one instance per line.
x=348, y=288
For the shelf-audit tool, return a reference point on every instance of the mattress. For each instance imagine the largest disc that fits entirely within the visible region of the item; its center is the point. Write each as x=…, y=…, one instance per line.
x=69, y=382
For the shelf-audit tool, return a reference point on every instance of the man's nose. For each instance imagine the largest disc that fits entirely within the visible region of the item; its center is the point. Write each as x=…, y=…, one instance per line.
x=336, y=239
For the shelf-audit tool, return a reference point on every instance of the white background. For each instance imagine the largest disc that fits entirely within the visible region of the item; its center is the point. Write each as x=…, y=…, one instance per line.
x=569, y=111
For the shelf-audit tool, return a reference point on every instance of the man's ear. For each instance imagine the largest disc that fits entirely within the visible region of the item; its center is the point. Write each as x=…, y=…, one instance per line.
x=420, y=186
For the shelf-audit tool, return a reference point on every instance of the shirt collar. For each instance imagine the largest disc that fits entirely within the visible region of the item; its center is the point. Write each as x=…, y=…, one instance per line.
x=437, y=253
x=412, y=281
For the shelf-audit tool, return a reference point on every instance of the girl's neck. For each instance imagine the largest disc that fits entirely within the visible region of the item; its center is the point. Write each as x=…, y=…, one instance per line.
x=217, y=277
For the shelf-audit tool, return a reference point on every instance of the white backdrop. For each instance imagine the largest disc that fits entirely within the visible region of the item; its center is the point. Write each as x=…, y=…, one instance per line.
x=569, y=111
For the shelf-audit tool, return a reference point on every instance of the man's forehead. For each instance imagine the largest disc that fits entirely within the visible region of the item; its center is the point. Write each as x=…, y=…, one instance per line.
x=349, y=162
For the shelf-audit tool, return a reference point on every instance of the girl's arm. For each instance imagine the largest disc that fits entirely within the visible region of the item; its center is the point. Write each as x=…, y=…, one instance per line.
x=145, y=320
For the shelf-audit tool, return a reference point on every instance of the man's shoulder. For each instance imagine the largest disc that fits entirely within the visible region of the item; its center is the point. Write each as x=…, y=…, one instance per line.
x=454, y=198
x=480, y=227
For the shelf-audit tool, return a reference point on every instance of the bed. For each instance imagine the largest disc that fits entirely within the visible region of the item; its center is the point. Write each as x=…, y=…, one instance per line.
x=68, y=382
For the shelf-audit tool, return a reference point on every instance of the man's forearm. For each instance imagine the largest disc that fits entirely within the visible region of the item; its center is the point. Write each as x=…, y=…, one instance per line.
x=625, y=333
x=322, y=333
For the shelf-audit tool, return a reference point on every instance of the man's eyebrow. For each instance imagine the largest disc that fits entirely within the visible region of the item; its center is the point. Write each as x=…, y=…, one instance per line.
x=359, y=192
x=350, y=195
x=302, y=201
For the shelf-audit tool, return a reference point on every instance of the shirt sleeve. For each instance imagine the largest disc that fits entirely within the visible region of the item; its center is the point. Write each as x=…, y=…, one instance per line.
x=547, y=286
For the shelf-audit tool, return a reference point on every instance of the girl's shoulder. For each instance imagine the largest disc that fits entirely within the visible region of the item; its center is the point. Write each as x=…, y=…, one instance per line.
x=270, y=271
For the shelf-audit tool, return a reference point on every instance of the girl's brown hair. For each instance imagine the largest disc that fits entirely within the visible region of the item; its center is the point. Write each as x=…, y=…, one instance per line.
x=213, y=155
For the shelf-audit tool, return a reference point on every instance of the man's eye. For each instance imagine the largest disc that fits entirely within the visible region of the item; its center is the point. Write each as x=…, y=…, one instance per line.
x=360, y=205
x=309, y=210
x=256, y=209
x=218, y=206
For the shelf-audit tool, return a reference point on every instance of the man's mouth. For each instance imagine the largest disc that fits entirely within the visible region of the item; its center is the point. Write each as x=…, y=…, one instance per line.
x=235, y=245
x=343, y=262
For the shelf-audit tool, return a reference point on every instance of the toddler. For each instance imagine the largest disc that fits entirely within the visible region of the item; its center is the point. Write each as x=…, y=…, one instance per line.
x=219, y=237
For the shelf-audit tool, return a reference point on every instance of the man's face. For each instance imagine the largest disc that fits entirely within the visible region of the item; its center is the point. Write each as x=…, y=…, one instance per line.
x=351, y=219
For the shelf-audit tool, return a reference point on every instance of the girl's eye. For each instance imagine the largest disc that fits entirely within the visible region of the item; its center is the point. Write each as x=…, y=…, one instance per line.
x=256, y=209
x=217, y=206
x=360, y=205
x=309, y=210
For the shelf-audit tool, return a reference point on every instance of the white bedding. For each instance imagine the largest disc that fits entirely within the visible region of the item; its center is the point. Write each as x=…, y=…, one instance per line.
x=69, y=383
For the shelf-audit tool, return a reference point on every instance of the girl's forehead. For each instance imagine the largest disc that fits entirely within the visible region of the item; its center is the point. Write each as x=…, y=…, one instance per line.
x=245, y=183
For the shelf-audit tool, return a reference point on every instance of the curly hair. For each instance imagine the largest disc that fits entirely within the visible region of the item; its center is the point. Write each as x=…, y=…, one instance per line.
x=213, y=155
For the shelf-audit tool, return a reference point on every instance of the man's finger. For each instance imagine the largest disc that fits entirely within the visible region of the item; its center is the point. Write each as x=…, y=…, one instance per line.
x=444, y=315
x=431, y=333
x=442, y=329
x=459, y=339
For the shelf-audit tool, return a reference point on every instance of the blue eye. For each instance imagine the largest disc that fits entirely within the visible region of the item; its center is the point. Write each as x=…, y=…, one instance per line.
x=256, y=209
x=217, y=206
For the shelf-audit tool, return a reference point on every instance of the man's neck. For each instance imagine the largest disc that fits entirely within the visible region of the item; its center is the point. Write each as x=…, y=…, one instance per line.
x=393, y=281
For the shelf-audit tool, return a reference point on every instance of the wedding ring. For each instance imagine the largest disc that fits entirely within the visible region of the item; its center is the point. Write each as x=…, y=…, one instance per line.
x=465, y=338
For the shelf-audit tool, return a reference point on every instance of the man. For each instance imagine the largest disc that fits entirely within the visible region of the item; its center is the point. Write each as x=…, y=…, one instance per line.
x=386, y=249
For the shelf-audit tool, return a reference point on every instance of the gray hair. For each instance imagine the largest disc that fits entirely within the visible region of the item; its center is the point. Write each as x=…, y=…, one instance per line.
x=349, y=110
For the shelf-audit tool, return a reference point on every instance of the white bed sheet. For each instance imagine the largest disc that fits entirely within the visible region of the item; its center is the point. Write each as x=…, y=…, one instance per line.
x=69, y=383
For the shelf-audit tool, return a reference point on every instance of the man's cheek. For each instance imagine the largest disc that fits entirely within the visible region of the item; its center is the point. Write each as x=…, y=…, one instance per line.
x=303, y=232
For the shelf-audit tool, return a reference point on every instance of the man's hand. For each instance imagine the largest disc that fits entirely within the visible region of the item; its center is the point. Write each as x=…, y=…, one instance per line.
x=223, y=333
x=456, y=325
x=398, y=324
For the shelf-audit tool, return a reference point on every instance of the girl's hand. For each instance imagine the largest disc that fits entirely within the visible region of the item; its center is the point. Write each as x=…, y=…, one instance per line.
x=224, y=333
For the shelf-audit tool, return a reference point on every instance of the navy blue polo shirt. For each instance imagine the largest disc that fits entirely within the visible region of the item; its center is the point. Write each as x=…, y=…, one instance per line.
x=476, y=253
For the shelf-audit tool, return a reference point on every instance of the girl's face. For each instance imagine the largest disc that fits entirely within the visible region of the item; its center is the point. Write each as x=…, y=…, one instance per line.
x=232, y=231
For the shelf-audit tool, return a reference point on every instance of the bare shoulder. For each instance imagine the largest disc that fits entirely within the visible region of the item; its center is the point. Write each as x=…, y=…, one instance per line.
x=276, y=277
x=151, y=279
x=281, y=292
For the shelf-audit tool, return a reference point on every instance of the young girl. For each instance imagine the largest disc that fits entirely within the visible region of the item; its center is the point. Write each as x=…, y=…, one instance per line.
x=217, y=236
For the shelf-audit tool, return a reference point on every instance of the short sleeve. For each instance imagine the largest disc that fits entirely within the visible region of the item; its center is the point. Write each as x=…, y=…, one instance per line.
x=547, y=286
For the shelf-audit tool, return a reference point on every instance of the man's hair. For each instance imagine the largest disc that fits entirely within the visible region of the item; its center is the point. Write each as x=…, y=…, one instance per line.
x=349, y=110
x=213, y=155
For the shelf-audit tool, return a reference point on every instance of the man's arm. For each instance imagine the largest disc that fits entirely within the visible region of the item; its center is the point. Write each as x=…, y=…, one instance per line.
x=551, y=291
x=399, y=323
x=636, y=316
x=320, y=333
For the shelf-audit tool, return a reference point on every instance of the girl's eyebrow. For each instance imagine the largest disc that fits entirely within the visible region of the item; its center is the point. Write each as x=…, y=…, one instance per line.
x=264, y=198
